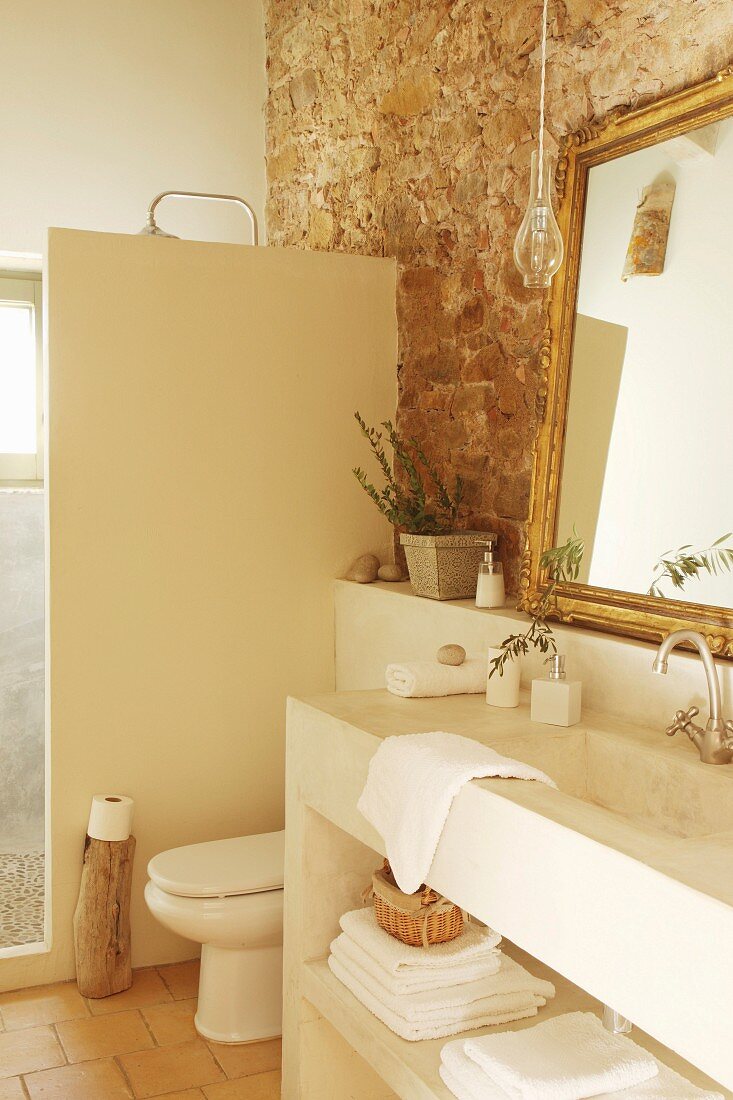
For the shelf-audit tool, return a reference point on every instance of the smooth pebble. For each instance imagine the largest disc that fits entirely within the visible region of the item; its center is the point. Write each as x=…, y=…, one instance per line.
x=451, y=655
x=364, y=570
x=390, y=573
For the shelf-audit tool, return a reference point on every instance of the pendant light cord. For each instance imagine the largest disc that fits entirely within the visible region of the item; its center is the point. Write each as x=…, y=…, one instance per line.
x=543, y=62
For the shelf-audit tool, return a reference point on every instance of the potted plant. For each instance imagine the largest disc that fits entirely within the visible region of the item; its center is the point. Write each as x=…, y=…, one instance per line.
x=562, y=564
x=442, y=562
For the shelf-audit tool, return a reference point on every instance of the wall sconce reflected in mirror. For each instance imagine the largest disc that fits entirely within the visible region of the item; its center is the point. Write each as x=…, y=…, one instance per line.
x=152, y=229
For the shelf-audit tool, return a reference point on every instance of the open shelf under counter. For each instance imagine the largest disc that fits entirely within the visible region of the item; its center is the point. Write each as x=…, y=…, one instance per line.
x=410, y=1069
x=612, y=903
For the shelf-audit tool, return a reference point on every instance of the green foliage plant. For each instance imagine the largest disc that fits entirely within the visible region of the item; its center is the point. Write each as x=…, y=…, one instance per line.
x=404, y=500
x=678, y=566
x=562, y=564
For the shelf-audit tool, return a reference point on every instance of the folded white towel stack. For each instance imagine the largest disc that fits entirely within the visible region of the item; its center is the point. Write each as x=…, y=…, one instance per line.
x=467, y=1080
x=410, y=787
x=403, y=969
x=438, y=1028
x=423, y=679
x=430, y=993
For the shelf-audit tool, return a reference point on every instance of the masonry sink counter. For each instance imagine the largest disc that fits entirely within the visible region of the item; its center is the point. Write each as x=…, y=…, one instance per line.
x=621, y=880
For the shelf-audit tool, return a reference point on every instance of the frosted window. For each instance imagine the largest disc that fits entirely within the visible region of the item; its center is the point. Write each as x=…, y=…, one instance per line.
x=18, y=417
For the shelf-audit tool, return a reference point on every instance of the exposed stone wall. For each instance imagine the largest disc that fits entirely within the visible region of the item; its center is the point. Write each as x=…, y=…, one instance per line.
x=404, y=128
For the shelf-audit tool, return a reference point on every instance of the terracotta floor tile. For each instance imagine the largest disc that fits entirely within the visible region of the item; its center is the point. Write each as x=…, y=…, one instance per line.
x=43, y=1004
x=147, y=988
x=26, y=1051
x=261, y=1086
x=104, y=1036
x=173, y=1022
x=11, y=1089
x=244, y=1059
x=187, y=1094
x=182, y=979
x=179, y=1066
x=88, y=1081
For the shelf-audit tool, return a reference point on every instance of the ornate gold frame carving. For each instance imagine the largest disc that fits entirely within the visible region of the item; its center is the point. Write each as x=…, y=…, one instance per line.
x=625, y=130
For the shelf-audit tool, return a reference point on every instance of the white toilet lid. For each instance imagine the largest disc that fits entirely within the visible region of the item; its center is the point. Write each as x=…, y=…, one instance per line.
x=222, y=868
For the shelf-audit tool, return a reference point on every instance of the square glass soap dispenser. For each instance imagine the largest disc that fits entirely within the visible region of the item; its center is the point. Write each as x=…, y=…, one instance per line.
x=555, y=699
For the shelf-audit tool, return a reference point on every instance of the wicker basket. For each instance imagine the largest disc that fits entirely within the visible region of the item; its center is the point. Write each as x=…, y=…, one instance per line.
x=419, y=919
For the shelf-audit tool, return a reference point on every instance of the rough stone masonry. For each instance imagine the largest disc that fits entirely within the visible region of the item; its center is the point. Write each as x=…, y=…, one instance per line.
x=404, y=128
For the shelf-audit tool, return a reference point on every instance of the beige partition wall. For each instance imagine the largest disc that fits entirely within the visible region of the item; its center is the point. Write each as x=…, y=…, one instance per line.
x=201, y=501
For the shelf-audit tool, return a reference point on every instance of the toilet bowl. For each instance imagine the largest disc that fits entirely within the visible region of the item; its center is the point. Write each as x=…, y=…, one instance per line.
x=227, y=895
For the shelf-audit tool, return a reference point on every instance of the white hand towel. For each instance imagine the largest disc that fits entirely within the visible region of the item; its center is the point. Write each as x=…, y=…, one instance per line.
x=507, y=991
x=464, y=1077
x=467, y=1081
x=476, y=942
x=423, y=679
x=568, y=1058
x=461, y=1090
x=423, y=980
x=433, y=1030
x=410, y=787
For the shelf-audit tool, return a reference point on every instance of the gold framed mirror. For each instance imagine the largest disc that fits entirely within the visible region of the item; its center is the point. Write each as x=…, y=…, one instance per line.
x=631, y=444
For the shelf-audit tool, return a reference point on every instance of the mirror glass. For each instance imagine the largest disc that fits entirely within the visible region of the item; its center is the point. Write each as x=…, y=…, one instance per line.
x=649, y=439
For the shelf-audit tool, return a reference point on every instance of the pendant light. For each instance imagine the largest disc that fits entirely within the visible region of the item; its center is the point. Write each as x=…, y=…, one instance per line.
x=538, y=247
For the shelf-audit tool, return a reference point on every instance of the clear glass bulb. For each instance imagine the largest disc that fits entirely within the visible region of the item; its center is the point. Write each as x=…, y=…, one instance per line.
x=538, y=247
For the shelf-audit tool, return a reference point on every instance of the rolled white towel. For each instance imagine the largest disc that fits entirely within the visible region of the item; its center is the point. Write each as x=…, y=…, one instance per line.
x=568, y=1058
x=467, y=1081
x=434, y=1030
x=424, y=679
x=411, y=783
x=510, y=989
x=423, y=979
x=476, y=942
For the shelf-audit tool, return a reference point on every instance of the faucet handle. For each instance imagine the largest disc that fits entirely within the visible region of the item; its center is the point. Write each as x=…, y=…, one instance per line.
x=728, y=741
x=682, y=720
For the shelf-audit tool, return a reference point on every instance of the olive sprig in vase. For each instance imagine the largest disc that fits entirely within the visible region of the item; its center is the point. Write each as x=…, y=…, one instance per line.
x=442, y=561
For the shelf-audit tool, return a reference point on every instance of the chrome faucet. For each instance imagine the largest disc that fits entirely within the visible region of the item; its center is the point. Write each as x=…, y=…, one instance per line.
x=715, y=742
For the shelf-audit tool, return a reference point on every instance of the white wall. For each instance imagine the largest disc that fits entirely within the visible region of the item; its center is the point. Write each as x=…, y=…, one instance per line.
x=201, y=441
x=672, y=445
x=104, y=104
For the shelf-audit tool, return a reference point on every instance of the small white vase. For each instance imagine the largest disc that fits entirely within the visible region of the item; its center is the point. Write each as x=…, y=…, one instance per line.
x=502, y=690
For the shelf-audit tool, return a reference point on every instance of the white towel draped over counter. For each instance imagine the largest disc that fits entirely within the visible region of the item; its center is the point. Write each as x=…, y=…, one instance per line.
x=423, y=679
x=410, y=787
x=568, y=1059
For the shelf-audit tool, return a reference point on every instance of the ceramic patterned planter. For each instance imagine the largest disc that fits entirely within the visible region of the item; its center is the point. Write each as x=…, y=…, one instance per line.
x=445, y=567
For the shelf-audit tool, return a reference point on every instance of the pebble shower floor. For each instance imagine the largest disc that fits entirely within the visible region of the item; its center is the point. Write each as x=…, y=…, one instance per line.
x=21, y=898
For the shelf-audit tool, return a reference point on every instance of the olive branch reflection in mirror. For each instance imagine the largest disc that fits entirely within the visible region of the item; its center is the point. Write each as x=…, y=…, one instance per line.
x=679, y=566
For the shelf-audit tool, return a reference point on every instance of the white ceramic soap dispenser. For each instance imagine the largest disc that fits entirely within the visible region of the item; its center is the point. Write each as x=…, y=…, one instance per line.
x=490, y=586
x=556, y=700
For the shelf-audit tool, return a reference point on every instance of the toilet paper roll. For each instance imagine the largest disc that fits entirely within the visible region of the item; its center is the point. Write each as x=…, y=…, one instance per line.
x=110, y=817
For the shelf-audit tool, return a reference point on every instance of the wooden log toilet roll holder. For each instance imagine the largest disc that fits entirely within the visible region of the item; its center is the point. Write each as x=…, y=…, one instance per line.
x=102, y=916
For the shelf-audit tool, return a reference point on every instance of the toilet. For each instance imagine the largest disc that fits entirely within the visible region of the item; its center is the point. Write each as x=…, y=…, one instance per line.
x=227, y=895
